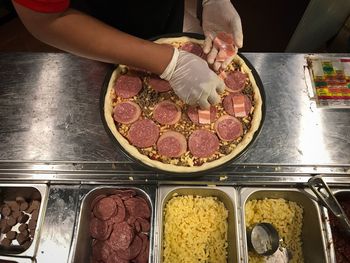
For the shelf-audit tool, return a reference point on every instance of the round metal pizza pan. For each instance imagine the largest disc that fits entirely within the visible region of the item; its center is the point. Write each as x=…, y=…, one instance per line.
x=174, y=173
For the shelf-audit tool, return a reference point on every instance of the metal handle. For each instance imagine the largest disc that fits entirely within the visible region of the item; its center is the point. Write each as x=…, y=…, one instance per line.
x=325, y=195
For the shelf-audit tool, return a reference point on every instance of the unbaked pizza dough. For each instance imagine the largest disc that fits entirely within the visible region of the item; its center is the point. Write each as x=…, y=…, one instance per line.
x=256, y=118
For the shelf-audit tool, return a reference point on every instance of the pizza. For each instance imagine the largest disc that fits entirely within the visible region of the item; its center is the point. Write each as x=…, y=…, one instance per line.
x=154, y=126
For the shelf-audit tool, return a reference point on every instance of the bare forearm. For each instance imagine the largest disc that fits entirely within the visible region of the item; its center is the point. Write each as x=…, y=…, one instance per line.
x=85, y=36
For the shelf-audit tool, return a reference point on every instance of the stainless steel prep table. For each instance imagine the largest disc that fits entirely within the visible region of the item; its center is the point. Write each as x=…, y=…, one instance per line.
x=51, y=132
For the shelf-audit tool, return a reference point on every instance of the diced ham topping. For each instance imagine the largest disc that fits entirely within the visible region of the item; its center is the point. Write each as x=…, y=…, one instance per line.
x=238, y=106
x=224, y=38
x=193, y=114
x=224, y=43
x=204, y=116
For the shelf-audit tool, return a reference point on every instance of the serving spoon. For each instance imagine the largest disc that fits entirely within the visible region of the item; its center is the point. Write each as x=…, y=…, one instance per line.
x=326, y=197
x=263, y=238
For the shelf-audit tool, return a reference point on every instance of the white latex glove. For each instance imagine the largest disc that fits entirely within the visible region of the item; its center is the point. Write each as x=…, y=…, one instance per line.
x=220, y=16
x=192, y=80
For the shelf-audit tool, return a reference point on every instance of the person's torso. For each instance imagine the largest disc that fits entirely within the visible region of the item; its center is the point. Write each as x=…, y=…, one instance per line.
x=145, y=19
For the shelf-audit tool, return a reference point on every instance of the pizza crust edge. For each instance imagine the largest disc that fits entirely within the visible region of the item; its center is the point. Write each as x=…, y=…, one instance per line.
x=132, y=150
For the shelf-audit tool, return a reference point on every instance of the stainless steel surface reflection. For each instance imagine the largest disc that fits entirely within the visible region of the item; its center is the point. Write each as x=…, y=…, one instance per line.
x=50, y=108
x=58, y=227
x=295, y=130
x=50, y=112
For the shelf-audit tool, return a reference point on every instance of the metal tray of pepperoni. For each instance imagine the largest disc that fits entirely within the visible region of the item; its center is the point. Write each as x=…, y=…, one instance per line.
x=115, y=224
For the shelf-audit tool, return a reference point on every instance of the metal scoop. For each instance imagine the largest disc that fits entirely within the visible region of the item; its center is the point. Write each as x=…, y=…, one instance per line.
x=324, y=194
x=263, y=238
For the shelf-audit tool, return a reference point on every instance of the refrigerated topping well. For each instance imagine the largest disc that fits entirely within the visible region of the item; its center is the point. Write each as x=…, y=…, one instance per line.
x=286, y=216
x=340, y=238
x=195, y=230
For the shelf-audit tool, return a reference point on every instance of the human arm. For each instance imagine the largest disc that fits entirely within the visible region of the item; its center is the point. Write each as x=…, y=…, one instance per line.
x=220, y=16
x=80, y=34
x=83, y=35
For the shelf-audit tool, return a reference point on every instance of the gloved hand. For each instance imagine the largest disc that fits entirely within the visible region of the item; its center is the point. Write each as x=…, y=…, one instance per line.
x=192, y=80
x=220, y=16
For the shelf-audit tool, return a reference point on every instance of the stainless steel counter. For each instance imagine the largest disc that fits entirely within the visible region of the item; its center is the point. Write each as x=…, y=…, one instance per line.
x=50, y=112
x=51, y=133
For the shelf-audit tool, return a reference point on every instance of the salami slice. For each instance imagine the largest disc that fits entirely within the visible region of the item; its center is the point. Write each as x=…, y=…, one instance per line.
x=137, y=226
x=113, y=258
x=228, y=128
x=121, y=236
x=172, y=144
x=125, y=194
x=192, y=113
x=137, y=207
x=100, y=251
x=130, y=219
x=133, y=250
x=203, y=143
x=167, y=112
x=238, y=105
x=126, y=112
x=193, y=48
x=235, y=81
x=99, y=229
x=144, y=253
x=127, y=86
x=158, y=84
x=96, y=199
x=145, y=225
x=143, y=133
x=104, y=208
x=93, y=260
x=120, y=216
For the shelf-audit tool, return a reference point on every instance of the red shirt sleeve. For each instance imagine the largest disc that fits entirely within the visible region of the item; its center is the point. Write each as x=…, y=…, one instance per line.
x=45, y=6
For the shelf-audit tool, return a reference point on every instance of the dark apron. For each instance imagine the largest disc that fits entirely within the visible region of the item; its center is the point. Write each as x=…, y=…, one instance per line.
x=141, y=18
